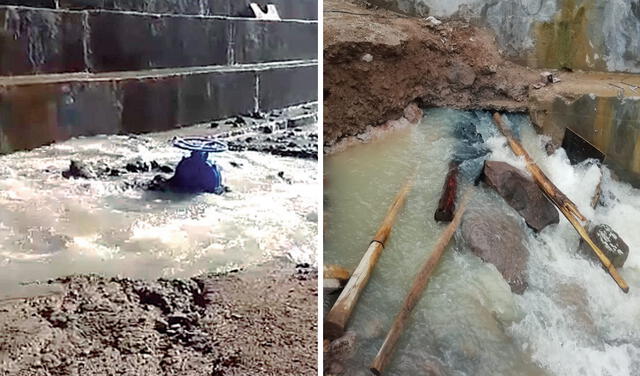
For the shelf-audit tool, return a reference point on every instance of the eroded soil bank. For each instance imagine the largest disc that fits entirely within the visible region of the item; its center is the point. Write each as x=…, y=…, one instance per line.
x=377, y=62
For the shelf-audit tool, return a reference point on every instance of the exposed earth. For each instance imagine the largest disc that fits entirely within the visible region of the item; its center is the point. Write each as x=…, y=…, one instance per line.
x=259, y=322
x=376, y=62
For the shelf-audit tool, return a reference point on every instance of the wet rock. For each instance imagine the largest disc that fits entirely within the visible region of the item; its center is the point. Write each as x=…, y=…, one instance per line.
x=336, y=271
x=137, y=166
x=609, y=242
x=497, y=238
x=79, y=170
x=331, y=286
x=159, y=183
x=413, y=113
x=266, y=130
x=468, y=132
x=344, y=348
x=166, y=169
x=521, y=193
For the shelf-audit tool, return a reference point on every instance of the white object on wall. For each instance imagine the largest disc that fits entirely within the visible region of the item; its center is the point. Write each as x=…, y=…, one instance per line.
x=271, y=14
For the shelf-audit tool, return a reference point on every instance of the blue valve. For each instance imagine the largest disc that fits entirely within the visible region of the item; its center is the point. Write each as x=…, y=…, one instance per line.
x=195, y=173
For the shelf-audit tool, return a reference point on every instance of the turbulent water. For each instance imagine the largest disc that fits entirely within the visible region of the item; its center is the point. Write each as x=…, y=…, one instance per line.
x=52, y=227
x=572, y=319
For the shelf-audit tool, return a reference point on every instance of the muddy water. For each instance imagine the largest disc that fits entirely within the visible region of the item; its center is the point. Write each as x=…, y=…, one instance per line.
x=51, y=226
x=572, y=320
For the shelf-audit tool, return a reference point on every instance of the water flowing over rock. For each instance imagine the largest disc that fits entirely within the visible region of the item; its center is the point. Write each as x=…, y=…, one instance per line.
x=79, y=170
x=497, y=238
x=521, y=193
x=609, y=242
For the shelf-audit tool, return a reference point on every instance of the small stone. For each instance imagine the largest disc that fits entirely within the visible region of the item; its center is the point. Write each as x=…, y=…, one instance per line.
x=609, y=242
x=78, y=169
x=344, y=348
x=367, y=58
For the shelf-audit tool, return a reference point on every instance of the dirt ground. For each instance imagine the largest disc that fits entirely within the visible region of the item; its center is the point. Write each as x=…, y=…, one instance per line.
x=376, y=62
x=256, y=322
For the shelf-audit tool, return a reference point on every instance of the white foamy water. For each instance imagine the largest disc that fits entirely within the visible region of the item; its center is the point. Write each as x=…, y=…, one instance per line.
x=571, y=320
x=52, y=227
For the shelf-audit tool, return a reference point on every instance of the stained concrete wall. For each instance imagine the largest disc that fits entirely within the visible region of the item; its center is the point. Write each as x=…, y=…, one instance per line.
x=599, y=35
x=288, y=9
x=85, y=67
x=604, y=115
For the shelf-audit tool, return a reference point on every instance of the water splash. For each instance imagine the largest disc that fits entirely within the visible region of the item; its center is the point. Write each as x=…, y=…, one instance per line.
x=51, y=227
x=572, y=319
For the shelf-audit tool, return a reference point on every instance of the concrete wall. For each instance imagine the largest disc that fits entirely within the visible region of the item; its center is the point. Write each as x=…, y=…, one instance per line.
x=85, y=67
x=606, y=117
x=599, y=35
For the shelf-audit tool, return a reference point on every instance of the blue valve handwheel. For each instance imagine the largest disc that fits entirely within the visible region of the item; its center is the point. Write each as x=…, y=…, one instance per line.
x=201, y=144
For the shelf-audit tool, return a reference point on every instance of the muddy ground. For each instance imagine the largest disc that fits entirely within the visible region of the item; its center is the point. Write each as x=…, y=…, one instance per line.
x=258, y=322
x=376, y=62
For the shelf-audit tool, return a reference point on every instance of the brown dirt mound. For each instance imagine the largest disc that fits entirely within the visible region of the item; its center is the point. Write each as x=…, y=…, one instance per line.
x=376, y=62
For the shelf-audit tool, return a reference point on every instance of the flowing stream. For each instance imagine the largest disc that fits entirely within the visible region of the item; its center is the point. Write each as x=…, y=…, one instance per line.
x=52, y=227
x=571, y=320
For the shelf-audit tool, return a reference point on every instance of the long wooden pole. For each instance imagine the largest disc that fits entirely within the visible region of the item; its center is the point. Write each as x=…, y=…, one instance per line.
x=419, y=284
x=567, y=208
x=540, y=178
x=339, y=315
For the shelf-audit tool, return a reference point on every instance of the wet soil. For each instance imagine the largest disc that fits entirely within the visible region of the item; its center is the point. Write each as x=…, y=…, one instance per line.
x=376, y=62
x=286, y=134
x=244, y=323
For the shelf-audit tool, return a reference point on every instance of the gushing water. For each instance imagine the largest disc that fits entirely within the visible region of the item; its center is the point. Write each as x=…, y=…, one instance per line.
x=52, y=227
x=571, y=320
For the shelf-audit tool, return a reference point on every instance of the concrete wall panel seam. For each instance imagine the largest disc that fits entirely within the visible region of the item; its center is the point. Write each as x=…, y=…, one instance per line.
x=97, y=77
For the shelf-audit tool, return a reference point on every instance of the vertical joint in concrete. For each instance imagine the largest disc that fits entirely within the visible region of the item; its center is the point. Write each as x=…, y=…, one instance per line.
x=256, y=107
x=86, y=45
x=231, y=44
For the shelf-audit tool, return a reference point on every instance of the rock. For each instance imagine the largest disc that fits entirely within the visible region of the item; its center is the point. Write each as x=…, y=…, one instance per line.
x=336, y=272
x=138, y=166
x=468, y=133
x=367, y=58
x=521, y=193
x=344, y=348
x=79, y=170
x=546, y=77
x=497, y=238
x=331, y=286
x=609, y=242
x=461, y=75
x=433, y=22
x=413, y=113
x=166, y=169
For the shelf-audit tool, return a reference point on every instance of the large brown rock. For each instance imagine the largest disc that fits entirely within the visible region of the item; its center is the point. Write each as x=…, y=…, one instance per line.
x=521, y=193
x=497, y=238
x=609, y=242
